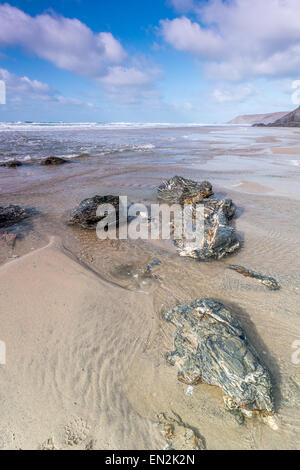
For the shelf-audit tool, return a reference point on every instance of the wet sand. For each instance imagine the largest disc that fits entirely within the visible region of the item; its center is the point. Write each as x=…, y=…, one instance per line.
x=85, y=340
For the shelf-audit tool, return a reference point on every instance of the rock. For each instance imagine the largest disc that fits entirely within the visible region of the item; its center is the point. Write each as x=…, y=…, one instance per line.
x=8, y=238
x=181, y=190
x=268, y=281
x=12, y=214
x=152, y=264
x=11, y=164
x=179, y=436
x=211, y=347
x=54, y=161
x=85, y=214
x=219, y=237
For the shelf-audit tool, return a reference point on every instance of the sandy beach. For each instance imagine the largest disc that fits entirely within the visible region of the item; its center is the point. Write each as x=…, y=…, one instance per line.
x=85, y=339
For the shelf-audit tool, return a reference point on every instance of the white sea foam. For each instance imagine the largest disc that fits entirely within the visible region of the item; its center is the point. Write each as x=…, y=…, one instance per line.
x=93, y=125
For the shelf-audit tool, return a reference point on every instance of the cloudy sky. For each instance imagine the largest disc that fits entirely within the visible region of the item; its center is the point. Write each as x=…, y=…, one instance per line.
x=150, y=60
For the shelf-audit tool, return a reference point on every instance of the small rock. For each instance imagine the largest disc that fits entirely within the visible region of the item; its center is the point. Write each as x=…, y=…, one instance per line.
x=12, y=214
x=154, y=262
x=268, y=281
x=85, y=214
x=11, y=164
x=54, y=161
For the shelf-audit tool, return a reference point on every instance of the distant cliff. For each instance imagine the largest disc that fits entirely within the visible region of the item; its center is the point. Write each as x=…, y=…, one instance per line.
x=251, y=119
x=289, y=120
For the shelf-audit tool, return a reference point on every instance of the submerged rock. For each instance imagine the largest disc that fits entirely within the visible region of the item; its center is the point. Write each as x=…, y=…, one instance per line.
x=218, y=237
x=11, y=164
x=12, y=214
x=178, y=435
x=211, y=347
x=54, y=161
x=152, y=264
x=181, y=190
x=268, y=281
x=85, y=214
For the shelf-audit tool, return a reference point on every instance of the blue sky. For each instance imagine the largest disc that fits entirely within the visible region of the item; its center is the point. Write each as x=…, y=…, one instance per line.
x=150, y=61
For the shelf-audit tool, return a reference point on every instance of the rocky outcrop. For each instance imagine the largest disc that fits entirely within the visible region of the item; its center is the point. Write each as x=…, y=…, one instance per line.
x=184, y=191
x=268, y=281
x=54, y=161
x=10, y=215
x=288, y=120
x=211, y=347
x=218, y=238
x=178, y=435
x=85, y=214
x=11, y=164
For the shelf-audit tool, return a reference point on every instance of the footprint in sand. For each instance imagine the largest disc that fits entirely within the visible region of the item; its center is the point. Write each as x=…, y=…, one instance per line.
x=7, y=438
x=76, y=431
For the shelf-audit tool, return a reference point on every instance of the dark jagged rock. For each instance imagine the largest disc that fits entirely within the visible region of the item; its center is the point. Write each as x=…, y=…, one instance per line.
x=181, y=190
x=268, y=281
x=54, y=161
x=11, y=164
x=10, y=215
x=211, y=347
x=85, y=214
x=219, y=237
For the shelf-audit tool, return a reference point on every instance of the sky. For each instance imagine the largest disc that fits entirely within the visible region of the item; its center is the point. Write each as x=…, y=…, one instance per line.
x=186, y=61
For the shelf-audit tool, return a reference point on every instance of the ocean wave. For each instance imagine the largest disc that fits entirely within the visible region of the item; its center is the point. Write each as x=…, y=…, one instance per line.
x=27, y=126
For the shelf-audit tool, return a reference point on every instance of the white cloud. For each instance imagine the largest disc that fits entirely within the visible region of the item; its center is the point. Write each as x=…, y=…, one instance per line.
x=67, y=43
x=182, y=6
x=187, y=36
x=23, y=89
x=233, y=94
x=132, y=84
x=241, y=38
x=119, y=76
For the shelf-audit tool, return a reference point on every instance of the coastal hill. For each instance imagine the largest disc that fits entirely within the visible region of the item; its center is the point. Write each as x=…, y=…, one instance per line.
x=251, y=119
x=289, y=120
